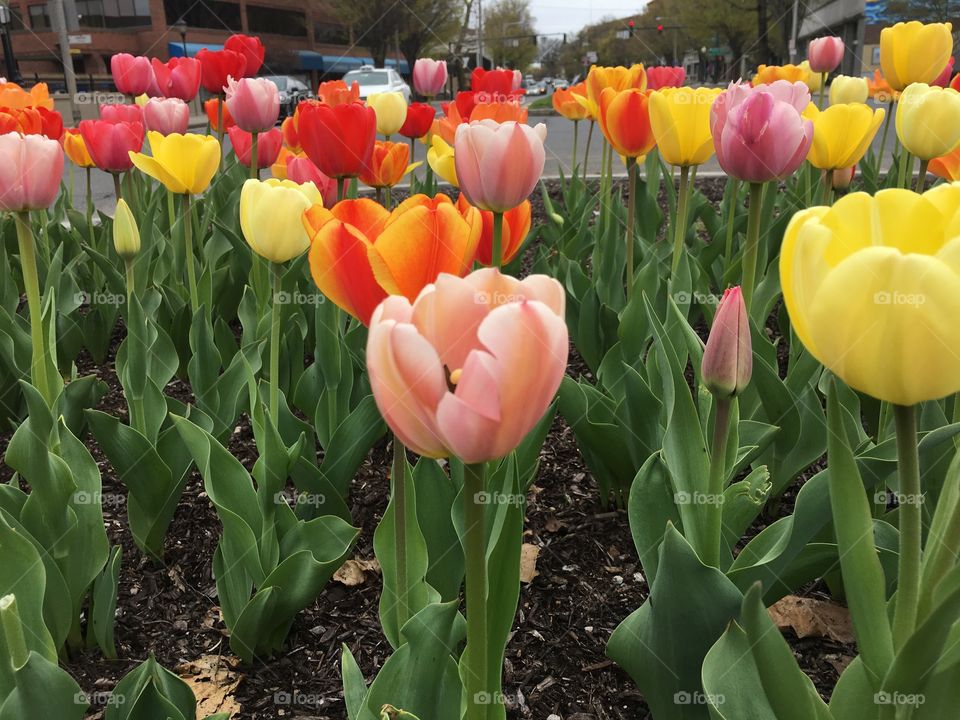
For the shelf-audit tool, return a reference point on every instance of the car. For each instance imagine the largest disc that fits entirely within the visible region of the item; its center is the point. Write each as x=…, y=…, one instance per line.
x=560, y=84
x=292, y=92
x=535, y=88
x=375, y=80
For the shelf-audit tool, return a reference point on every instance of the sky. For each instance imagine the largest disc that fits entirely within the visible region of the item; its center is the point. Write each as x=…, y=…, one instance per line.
x=571, y=15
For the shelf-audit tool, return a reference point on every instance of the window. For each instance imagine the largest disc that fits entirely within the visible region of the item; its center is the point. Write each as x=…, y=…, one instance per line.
x=113, y=13
x=39, y=20
x=331, y=32
x=367, y=77
x=214, y=14
x=276, y=21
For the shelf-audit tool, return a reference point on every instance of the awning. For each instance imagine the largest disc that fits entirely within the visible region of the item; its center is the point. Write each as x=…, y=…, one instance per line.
x=176, y=48
x=311, y=60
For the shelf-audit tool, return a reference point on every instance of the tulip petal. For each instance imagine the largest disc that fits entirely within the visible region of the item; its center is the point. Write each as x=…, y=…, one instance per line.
x=340, y=268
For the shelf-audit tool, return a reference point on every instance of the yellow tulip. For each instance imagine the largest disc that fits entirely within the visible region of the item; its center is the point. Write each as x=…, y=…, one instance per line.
x=680, y=119
x=814, y=80
x=846, y=89
x=184, y=164
x=872, y=286
x=391, y=110
x=440, y=158
x=126, y=234
x=767, y=74
x=271, y=217
x=914, y=52
x=928, y=120
x=842, y=134
x=619, y=78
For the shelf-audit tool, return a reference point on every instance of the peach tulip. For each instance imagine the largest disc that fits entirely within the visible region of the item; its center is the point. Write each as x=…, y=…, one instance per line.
x=501, y=344
x=31, y=167
x=254, y=103
x=166, y=115
x=498, y=164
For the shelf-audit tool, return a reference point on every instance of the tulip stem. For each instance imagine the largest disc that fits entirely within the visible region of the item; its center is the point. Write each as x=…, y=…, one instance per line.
x=906, y=160
x=908, y=572
x=254, y=160
x=31, y=282
x=497, y=253
x=275, y=343
x=680, y=231
x=13, y=632
x=631, y=221
x=576, y=128
x=90, y=206
x=586, y=152
x=826, y=178
x=922, y=177
x=883, y=139
x=476, y=577
x=751, y=248
x=220, y=100
x=340, y=183
x=116, y=186
x=734, y=186
x=399, y=477
x=823, y=84
x=188, y=247
x=718, y=472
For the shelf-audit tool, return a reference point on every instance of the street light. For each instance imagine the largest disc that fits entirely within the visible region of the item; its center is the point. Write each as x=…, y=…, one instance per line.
x=13, y=72
x=181, y=26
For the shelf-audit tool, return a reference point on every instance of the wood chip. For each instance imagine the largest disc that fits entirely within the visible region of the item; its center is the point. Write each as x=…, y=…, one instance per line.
x=809, y=617
x=353, y=572
x=213, y=679
x=528, y=562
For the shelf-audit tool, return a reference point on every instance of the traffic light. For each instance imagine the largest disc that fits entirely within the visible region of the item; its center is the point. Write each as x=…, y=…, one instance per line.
x=660, y=28
x=630, y=25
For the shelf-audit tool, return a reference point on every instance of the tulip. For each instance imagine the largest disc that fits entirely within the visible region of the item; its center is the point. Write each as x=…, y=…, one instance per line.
x=76, y=149
x=300, y=169
x=178, y=77
x=914, y=52
x=955, y=83
x=625, y=121
x=391, y=110
x=336, y=92
x=252, y=50
x=419, y=120
x=51, y=123
x=880, y=89
x=166, y=115
x=184, y=164
x=665, y=76
x=126, y=234
x=110, y=143
x=728, y=357
x=516, y=227
x=842, y=134
x=497, y=85
x=217, y=67
x=441, y=160
x=360, y=253
x=389, y=163
x=291, y=138
x=268, y=146
x=131, y=75
x=845, y=89
x=121, y=113
x=680, y=122
x=14, y=96
x=566, y=104
x=254, y=103
x=928, y=120
x=429, y=76
x=216, y=109
x=947, y=166
x=769, y=74
x=814, y=81
x=825, y=54
x=500, y=112
x=943, y=79
x=338, y=139
x=843, y=177
x=617, y=78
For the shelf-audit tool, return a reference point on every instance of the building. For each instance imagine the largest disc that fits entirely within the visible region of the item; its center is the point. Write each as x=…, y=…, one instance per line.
x=301, y=38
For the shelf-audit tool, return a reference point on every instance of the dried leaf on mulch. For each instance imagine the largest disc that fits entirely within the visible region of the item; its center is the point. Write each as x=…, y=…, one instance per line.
x=528, y=562
x=353, y=572
x=213, y=679
x=810, y=617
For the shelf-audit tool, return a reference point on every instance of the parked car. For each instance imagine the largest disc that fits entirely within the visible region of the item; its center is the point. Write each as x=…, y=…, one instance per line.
x=536, y=88
x=292, y=92
x=374, y=80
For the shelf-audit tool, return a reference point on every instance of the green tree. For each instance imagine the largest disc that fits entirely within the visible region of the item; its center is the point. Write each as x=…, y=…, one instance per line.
x=509, y=35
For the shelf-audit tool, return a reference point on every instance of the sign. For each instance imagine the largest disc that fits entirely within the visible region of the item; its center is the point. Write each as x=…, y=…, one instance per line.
x=80, y=39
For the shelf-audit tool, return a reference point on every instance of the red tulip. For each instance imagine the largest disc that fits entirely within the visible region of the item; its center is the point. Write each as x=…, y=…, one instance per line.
x=301, y=170
x=210, y=107
x=51, y=123
x=290, y=137
x=252, y=50
x=419, y=120
x=121, y=113
x=132, y=75
x=110, y=143
x=339, y=139
x=217, y=66
x=179, y=77
x=494, y=81
x=663, y=76
x=268, y=146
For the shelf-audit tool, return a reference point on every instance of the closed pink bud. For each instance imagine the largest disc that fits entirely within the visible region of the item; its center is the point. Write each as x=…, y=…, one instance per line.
x=166, y=116
x=254, y=103
x=728, y=357
x=131, y=74
x=759, y=132
x=825, y=54
x=31, y=167
x=664, y=76
x=121, y=113
x=302, y=170
x=472, y=365
x=498, y=164
x=429, y=76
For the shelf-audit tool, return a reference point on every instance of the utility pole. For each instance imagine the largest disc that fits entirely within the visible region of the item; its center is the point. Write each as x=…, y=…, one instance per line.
x=479, y=33
x=60, y=21
x=794, y=33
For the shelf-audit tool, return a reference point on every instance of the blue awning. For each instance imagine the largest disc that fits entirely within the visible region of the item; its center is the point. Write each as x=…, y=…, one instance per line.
x=175, y=49
x=311, y=60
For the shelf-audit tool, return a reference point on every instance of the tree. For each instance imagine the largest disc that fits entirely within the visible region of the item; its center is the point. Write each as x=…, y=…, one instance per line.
x=509, y=36
x=430, y=25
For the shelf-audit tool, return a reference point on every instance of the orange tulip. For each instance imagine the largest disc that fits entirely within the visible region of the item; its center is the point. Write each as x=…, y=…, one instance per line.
x=76, y=149
x=499, y=111
x=388, y=164
x=516, y=227
x=879, y=89
x=566, y=104
x=446, y=127
x=291, y=137
x=947, y=167
x=767, y=74
x=625, y=121
x=617, y=78
x=14, y=96
x=360, y=253
x=336, y=92
x=26, y=121
x=210, y=107
x=279, y=168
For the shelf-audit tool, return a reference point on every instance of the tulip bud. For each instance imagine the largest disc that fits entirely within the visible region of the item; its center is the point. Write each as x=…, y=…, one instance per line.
x=728, y=358
x=126, y=235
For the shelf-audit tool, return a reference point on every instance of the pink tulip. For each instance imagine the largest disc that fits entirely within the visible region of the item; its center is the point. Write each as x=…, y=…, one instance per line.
x=498, y=164
x=825, y=54
x=501, y=342
x=943, y=79
x=728, y=357
x=664, y=76
x=31, y=167
x=517, y=79
x=254, y=103
x=429, y=76
x=121, y=113
x=166, y=115
x=179, y=77
x=302, y=170
x=759, y=132
x=132, y=75
x=268, y=146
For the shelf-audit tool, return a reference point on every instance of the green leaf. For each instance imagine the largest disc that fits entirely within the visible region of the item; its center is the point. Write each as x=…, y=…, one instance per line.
x=43, y=690
x=151, y=692
x=104, y=604
x=437, y=493
x=354, y=686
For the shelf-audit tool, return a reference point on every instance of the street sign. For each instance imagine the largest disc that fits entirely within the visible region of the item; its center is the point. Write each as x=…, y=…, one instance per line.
x=80, y=39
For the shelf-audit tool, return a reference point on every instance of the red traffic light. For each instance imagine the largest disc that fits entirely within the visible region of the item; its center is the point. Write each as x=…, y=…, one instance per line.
x=660, y=28
x=630, y=23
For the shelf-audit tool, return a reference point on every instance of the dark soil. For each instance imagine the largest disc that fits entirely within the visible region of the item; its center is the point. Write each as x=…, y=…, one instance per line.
x=589, y=579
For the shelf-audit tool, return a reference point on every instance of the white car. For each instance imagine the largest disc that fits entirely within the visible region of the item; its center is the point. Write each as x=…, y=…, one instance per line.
x=375, y=80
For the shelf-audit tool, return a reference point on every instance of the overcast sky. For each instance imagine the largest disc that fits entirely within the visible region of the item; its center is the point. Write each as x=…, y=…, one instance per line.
x=571, y=15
